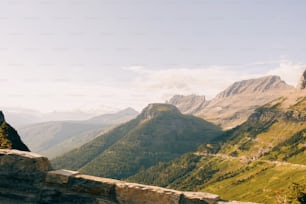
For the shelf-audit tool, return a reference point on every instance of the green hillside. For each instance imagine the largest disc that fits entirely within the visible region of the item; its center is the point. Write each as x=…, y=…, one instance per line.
x=58, y=137
x=262, y=160
x=160, y=133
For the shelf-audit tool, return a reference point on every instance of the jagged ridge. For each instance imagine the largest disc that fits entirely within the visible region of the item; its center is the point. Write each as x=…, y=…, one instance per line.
x=232, y=106
x=255, y=86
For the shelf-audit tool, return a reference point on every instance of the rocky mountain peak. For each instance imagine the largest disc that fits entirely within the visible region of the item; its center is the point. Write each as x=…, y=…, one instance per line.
x=302, y=83
x=258, y=85
x=155, y=109
x=188, y=104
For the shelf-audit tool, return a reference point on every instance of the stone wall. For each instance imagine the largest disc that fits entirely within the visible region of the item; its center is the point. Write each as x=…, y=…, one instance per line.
x=27, y=177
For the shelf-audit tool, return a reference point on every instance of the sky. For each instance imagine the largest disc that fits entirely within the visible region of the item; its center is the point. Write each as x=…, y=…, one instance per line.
x=106, y=55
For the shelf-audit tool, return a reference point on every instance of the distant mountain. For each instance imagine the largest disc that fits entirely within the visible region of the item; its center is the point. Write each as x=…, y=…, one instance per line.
x=262, y=160
x=21, y=117
x=9, y=138
x=159, y=133
x=188, y=104
x=120, y=117
x=58, y=137
x=235, y=104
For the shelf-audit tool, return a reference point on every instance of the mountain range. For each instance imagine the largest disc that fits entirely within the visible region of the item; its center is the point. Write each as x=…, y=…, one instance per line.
x=235, y=104
x=248, y=143
x=228, y=109
x=159, y=133
x=261, y=160
x=21, y=117
x=58, y=137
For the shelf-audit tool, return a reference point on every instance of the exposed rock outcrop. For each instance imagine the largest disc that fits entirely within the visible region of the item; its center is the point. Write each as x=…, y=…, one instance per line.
x=1, y=117
x=28, y=178
x=255, y=86
x=9, y=138
x=302, y=83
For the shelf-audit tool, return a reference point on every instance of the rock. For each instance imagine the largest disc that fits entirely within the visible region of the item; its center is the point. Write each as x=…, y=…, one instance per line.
x=2, y=119
x=95, y=186
x=60, y=177
x=21, y=162
x=199, y=198
x=9, y=138
x=132, y=193
x=56, y=196
x=302, y=83
x=22, y=175
x=27, y=177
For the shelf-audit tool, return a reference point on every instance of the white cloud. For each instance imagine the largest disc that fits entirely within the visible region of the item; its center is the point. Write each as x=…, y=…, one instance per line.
x=167, y=82
x=162, y=84
x=289, y=72
x=146, y=86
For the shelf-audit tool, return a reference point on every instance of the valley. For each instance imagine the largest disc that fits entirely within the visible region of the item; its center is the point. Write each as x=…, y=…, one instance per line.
x=261, y=159
x=153, y=102
x=159, y=133
x=55, y=138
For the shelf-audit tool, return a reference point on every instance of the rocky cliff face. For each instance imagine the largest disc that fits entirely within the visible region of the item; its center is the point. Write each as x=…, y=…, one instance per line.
x=302, y=83
x=234, y=105
x=1, y=117
x=255, y=86
x=27, y=178
x=188, y=104
x=9, y=137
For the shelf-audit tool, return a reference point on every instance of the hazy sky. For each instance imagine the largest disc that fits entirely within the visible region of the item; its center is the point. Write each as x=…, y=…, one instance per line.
x=110, y=54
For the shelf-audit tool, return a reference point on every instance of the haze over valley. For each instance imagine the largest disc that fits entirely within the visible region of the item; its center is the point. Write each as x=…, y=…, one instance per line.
x=152, y=101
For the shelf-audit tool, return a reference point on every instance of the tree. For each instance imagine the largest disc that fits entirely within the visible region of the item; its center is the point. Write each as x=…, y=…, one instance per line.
x=297, y=193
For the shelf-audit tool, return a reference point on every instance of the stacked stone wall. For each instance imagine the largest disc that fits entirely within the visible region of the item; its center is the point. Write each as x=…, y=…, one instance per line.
x=27, y=177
